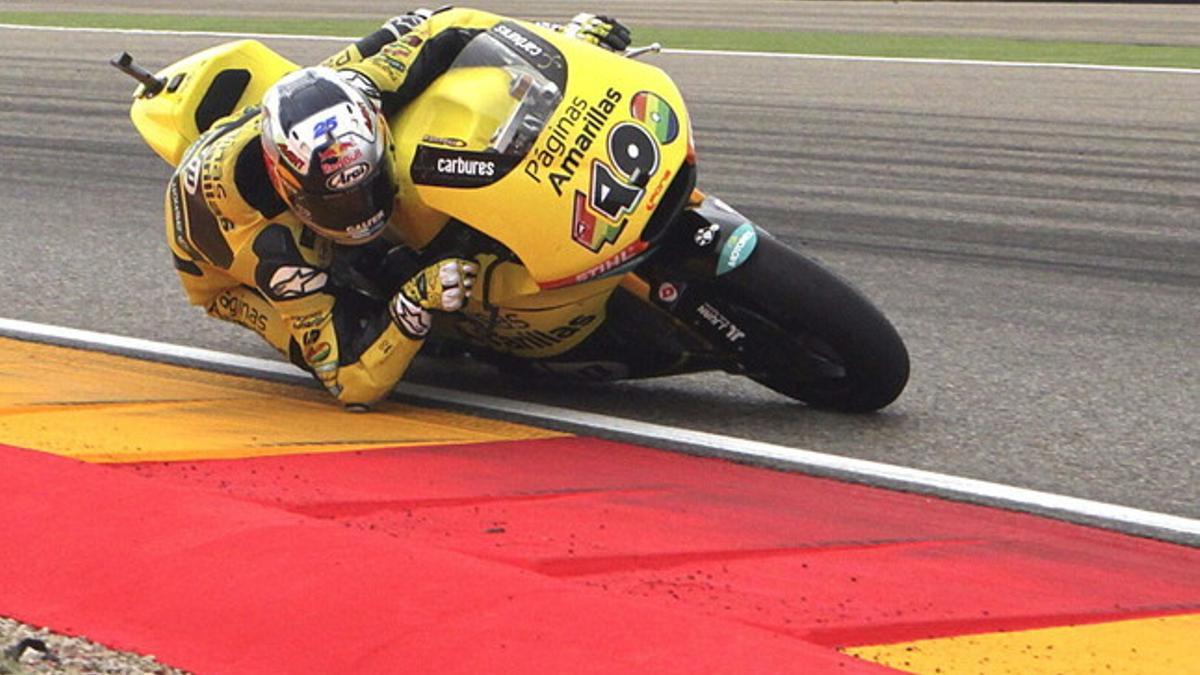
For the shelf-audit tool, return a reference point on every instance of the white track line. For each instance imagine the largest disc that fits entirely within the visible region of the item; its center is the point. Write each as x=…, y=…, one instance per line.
x=715, y=444
x=688, y=52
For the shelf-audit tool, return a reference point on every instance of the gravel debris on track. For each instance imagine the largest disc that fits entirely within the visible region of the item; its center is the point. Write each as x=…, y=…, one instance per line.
x=63, y=654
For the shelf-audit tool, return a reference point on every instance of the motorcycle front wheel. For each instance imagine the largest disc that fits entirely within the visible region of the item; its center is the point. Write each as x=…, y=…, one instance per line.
x=833, y=348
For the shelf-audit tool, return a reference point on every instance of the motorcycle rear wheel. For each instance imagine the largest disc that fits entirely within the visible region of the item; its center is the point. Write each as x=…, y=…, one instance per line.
x=835, y=350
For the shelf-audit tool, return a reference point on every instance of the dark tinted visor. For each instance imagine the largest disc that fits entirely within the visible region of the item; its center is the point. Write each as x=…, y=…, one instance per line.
x=353, y=216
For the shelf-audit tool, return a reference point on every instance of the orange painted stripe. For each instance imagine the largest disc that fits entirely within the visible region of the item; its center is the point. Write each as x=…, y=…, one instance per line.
x=1155, y=646
x=103, y=408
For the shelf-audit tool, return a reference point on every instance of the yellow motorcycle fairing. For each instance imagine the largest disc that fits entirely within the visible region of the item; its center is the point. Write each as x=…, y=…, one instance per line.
x=530, y=324
x=201, y=89
x=571, y=200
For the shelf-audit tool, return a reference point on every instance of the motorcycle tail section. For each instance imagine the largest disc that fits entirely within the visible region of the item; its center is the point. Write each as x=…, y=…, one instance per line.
x=184, y=99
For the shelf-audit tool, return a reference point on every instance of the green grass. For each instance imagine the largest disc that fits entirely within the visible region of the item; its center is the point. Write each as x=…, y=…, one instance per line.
x=859, y=44
x=982, y=49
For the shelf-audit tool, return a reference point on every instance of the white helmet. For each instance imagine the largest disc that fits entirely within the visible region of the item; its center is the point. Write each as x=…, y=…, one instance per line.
x=329, y=154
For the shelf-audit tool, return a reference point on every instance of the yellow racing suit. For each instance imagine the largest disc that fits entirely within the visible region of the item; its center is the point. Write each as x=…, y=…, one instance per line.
x=244, y=257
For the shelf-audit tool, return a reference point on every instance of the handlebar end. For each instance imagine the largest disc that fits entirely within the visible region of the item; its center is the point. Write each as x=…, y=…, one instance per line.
x=151, y=84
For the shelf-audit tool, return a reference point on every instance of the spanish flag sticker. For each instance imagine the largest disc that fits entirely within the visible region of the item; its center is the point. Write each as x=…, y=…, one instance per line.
x=651, y=110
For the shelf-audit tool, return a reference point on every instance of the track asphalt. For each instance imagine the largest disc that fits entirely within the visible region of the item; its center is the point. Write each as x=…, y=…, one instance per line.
x=427, y=541
x=1032, y=233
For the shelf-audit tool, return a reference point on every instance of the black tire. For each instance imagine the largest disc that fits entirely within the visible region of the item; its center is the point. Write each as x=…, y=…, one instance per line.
x=837, y=350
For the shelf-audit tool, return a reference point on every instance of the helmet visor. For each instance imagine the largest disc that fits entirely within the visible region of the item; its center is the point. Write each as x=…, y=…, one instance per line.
x=351, y=216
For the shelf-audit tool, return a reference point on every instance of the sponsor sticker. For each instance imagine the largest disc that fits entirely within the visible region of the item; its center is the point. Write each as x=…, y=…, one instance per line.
x=442, y=140
x=521, y=337
x=313, y=320
x=293, y=282
x=232, y=308
x=179, y=219
x=651, y=110
x=626, y=256
x=348, y=177
x=568, y=140
x=297, y=160
x=739, y=247
x=397, y=50
x=705, y=236
x=519, y=40
x=668, y=293
x=535, y=50
x=339, y=156
x=459, y=168
x=720, y=322
x=367, y=227
x=326, y=372
x=191, y=174
x=318, y=352
x=393, y=57
x=652, y=202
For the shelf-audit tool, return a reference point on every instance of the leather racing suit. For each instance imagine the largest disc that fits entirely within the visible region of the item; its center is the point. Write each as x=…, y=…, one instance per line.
x=244, y=257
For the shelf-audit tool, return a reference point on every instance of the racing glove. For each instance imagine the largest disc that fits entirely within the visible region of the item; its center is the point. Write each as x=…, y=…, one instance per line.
x=444, y=286
x=406, y=23
x=601, y=31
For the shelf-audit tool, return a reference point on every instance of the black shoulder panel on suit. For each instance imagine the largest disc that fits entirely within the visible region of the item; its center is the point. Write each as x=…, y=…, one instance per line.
x=282, y=272
x=275, y=248
x=253, y=184
x=205, y=232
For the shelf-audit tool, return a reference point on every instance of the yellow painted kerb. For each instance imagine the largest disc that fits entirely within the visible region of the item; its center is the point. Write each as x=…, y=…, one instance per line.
x=102, y=408
x=1156, y=646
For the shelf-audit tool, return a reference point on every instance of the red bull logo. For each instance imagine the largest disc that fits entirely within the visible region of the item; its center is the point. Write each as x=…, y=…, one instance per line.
x=339, y=156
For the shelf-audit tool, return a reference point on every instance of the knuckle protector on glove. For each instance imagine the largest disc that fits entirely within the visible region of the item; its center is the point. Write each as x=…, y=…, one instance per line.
x=448, y=275
x=441, y=286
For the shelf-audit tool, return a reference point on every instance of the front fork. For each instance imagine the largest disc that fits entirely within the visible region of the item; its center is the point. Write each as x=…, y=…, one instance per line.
x=683, y=280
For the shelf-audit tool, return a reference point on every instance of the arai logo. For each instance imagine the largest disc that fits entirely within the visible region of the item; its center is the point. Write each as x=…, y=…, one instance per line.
x=348, y=177
x=738, y=248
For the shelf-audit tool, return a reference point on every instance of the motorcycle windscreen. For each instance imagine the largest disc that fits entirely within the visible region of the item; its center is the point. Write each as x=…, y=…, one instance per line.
x=503, y=112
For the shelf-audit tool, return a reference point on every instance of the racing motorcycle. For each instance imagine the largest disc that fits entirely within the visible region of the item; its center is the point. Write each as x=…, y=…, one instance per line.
x=568, y=173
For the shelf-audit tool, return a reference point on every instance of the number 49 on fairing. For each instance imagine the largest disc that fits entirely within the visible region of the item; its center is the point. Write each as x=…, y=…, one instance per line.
x=635, y=156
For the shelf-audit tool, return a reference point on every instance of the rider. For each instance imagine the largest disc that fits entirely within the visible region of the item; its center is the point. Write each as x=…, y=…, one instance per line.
x=265, y=204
